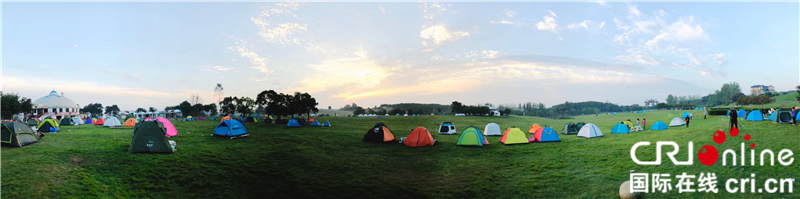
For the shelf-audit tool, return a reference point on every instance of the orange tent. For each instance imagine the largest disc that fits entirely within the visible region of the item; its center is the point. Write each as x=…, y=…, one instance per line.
x=131, y=122
x=226, y=118
x=310, y=119
x=419, y=137
x=99, y=122
x=534, y=127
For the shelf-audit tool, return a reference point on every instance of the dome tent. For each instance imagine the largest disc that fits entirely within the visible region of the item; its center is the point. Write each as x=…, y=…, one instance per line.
x=471, y=136
x=315, y=123
x=755, y=116
x=569, y=129
x=659, y=125
x=77, y=121
x=379, y=133
x=447, y=128
x=419, y=137
x=67, y=122
x=112, y=122
x=48, y=125
x=230, y=128
x=590, y=131
x=326, y=124
x=170, y=129
x=514, y=135
x=150, y=137
x=546, y=134
x=492, y=129
x=17, y=134
x=620, y=129
x=676, y=122
x=293, y=123
x=130, y=122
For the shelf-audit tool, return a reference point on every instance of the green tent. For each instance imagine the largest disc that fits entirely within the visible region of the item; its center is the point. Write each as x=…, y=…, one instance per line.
x=33, y=122
x=579, y=125
x=150, y=137
x=67, y=121
x=782, y=116
x=47, y=124
x=569, y=129
x=18, y=134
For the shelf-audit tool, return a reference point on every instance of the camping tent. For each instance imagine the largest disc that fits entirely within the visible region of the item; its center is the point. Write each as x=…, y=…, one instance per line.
x=628, y=123
x=66, y=121
x=170, y=129
x=250, y=120
x=447, y=128
x=533, y=128
x=131, y=122
x=491, y=129
x=98, y=122
x=326, y=124
x=48, y=125
x=230, y=128
x=676, y=122
x=293, y=123
x=685, y=114
x=514, y=136
x=316, y=123
x=742, y=113
x=620, y=128
x=89, y=121
x=569, y=129
x=755, y=116
x=471, y=136
x=214, y=118
x=77, y=121
x=149, y=137
x=33, y=122
x=419, y=137
x=772, y=116
x=546, y=134
x=579, y=125
x=589, y=131
x=112, y=122
x=17, y=134
x=379, y=133
x=782, y=115
x=659, y=125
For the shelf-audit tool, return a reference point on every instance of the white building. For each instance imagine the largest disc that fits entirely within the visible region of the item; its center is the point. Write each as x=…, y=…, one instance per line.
x=55, y=106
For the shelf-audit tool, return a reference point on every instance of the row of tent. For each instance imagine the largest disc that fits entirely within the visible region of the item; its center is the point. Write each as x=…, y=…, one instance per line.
x=472, y=136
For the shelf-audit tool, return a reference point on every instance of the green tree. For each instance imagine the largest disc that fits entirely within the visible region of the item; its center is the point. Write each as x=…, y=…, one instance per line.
x=186, y=108
x=455, y=107
x=26, y=106
x=671, y=99
x=10, y=105
x=112, y=110
x=140, y=110
x=94, y=109
x=245, y=105
x=359, y=111
x=153, y=109
x=798, y=93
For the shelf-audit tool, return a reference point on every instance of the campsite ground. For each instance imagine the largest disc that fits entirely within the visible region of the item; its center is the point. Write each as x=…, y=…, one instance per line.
x=315, y=162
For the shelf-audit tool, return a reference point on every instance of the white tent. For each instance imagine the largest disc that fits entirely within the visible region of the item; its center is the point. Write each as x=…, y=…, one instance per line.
x=405, y=115
x=492, y=129
x=589, y=131
x=77, y=121
x=112, y=122
x=676, y=122
x=447, y=128
x=386, y=114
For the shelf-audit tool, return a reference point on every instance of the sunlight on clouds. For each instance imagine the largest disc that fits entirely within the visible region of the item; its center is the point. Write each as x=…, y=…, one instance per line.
x=453, y=85
x=549, y=23
x=440, y=34
x=343, y=72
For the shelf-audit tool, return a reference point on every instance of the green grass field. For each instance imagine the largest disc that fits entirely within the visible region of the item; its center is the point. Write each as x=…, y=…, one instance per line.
x=315, y=162
x=786, y=97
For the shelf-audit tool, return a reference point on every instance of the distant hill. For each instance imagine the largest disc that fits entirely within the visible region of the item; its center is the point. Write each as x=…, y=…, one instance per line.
x=792, y=96
x=427, y=108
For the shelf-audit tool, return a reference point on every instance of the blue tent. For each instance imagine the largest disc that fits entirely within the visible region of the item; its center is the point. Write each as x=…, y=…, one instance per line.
x=698, y=108
x=755, y=116
x=293, y=123
x=772, y=116
x=316, y=123
x=659, y=126
x=620, y=128
x=547, y=135
x=230, y=128
x=685, y=114
x=728, y=114
x=742, y=113
x=214, y=118
x=327, y=124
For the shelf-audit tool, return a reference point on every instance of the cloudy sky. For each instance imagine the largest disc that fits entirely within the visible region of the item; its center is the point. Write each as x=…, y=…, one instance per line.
x=158, y=54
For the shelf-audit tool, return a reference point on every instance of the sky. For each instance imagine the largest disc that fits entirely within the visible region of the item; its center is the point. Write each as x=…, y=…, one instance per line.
x=149, y=54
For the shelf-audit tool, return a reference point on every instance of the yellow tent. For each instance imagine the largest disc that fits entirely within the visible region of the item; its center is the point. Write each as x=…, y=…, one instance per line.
x=514, y=136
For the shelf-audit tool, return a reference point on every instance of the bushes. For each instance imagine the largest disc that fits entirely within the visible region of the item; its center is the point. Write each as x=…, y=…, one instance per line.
x=747, y=100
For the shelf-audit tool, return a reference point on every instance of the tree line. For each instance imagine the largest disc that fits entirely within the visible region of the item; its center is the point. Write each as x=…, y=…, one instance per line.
x=12, y=103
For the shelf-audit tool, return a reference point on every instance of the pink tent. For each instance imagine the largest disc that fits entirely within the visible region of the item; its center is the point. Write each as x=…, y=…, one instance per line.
x=170, y=128
x=202, y=118
x=148, y=119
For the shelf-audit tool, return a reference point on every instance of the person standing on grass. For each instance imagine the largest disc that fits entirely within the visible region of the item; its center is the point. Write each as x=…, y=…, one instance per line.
x=705, y=114
x=644, y=124
x=734, y=119
x=637, y=121
x=794, y=115
x=688, y=118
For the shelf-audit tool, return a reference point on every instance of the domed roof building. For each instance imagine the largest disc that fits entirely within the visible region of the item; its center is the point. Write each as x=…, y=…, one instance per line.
x=56, y=106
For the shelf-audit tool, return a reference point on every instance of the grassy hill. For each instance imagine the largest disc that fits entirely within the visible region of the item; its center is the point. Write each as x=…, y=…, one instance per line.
x=786, y=97
x=314, y=162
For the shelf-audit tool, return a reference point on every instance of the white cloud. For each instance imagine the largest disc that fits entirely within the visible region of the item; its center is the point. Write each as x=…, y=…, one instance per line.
x=552, y=13
x=217, y=68
x=259, y=63
x=602, y=24
x=434, y=10
x=485, y=54
x=504, y=22
x=383, y=10
x=549, y=24
x=281, y=33
x=634, y=11
x=682, y=30
x=603, y=3
x=75, y=46
x=347, y=73
x=509, y=13
x=440, y=34
x=638, y=58
x=584, y=24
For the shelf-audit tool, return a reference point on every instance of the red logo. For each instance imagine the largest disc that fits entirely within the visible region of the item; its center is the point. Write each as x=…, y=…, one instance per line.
x=709, y=155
